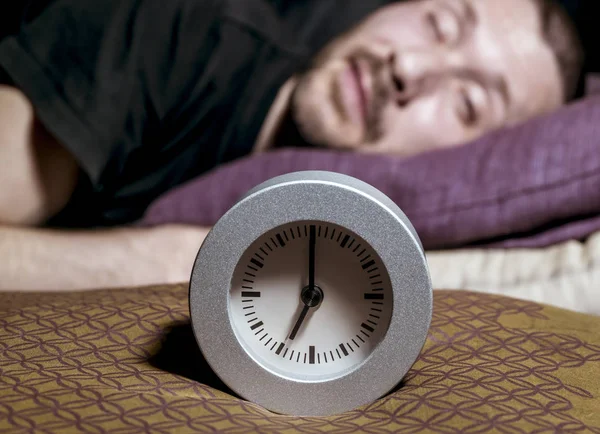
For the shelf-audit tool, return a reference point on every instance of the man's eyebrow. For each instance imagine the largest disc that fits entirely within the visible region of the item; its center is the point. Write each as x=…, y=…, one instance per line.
x=469, y=12
x=498, y=83
x=502, y=86
x=468, y=18
x=495, y=82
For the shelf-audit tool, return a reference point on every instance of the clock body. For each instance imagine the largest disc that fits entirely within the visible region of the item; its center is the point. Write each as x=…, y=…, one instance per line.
x=311, y=296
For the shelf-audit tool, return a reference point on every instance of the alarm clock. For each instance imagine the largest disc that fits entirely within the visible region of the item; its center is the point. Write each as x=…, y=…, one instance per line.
x=311, y=296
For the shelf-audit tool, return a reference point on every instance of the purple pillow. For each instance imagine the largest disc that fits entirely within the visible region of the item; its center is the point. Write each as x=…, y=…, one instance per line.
x=530, y=185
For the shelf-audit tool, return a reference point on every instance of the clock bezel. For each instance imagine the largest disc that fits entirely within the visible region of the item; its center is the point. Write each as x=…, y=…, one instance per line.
x=324, y=197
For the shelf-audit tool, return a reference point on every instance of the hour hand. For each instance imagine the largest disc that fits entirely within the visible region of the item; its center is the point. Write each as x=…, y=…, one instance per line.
x=311, y=297
x=299, y=322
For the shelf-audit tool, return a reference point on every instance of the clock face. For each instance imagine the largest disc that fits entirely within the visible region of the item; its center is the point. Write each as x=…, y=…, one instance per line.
x=310, y=300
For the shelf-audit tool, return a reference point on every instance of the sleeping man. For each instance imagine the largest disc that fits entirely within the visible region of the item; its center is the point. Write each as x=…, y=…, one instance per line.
x=107, y=104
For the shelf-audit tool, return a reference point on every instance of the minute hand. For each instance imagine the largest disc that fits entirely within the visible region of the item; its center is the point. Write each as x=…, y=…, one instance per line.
x=311, y=258
x=311, y=284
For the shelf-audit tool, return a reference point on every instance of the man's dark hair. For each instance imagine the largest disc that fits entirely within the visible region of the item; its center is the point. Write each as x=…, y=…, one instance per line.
x=562, y=36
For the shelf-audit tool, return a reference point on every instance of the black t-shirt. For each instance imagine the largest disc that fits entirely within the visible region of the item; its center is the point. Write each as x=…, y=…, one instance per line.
x=148, y=94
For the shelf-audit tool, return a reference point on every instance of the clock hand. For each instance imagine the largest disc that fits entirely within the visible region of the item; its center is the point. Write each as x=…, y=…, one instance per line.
x=299, y=322
x=311, y=258
x=309, y=296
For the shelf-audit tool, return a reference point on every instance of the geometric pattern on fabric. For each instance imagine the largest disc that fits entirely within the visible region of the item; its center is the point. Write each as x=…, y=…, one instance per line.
x=125, y=361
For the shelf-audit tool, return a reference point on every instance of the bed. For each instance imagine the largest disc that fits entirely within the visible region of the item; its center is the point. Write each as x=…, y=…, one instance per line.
x=511, y=227
x=565, y=275
x=125, y=361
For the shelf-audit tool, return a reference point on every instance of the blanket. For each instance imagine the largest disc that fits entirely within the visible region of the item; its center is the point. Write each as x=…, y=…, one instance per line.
x=565, y=275
x=125, y=361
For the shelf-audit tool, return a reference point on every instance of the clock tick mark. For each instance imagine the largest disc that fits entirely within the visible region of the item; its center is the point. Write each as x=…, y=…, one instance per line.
x=371, y=322
x=357, y=346
x=286, y=237
x=311, y=357
x=292, y=355
x=246, y=287
x=274, y=243
x=325, y=354
x=251, y=313
x=339, y=236
x=259, y=257
x=265, y=335
x=361, y=252
x=344, y=350
x=345, y=240
x=280, y=348
x=367, y=327
x=257, y=325
x=250, y=294
x=379, y=282
x=376, y=310
x=280, y=239
x=374, y=316
x=319, y=234
x=332, y=234
x=249, y=274
x=356, y=248
x=319, y=359
x=350, y=346
x=267, y=343
x=361, y=339
x=369, y=296
x=298, y=358
x=273, y=345
x=250, y=321
x=248, y=307
x=351, y=242
x=252, y=268
x=368, y=264
x=269, y=247
x=332, y=356
x=326, y=231
x=258, y=332
x=375, y=277
x=264, y=252
x=285, y=352
x=376, y=302
x=338, y=353
x=257, y=263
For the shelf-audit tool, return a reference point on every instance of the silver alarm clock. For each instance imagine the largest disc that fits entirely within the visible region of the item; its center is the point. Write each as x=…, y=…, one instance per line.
x=311, y=295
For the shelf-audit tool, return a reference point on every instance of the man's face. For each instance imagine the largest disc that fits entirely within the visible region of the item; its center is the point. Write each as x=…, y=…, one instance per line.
x=427, y=74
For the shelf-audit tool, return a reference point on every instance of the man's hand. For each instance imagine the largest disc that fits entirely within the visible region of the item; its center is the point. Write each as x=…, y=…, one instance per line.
x=37, y=177
x=34, y=259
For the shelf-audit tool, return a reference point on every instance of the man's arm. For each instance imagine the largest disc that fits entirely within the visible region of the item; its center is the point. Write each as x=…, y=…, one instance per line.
x=37, y=174
x=33, y=259
x=37, y=178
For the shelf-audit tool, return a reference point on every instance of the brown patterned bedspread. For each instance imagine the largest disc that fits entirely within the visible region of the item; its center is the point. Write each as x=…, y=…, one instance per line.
x=125, y=361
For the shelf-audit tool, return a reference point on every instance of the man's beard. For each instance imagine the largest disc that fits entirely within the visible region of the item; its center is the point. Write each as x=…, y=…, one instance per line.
x=298, y=127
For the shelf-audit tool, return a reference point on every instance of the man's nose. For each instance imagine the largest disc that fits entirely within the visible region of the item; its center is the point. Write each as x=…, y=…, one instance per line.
x=416, y=71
